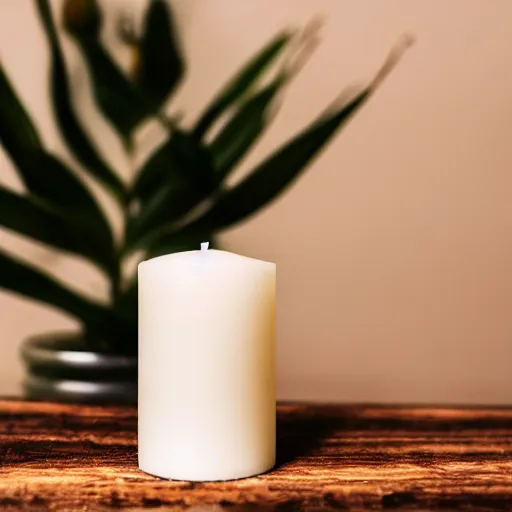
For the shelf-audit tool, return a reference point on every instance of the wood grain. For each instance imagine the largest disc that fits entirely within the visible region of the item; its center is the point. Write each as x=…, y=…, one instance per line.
x=70, y=457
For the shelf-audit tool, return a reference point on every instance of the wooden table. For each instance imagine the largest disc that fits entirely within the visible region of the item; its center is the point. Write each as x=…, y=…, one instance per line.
x=70, y=457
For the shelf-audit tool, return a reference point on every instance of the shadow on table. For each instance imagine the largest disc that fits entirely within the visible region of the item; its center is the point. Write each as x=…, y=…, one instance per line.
x=300, y=432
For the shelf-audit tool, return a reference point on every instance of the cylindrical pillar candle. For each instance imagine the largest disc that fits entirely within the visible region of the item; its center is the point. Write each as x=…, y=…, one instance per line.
x=206, y=366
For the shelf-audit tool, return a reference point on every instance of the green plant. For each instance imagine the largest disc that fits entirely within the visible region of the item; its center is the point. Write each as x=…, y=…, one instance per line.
x=179, y=195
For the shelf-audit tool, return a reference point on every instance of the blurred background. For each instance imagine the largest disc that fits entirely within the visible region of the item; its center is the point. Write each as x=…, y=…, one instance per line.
x=394, y=250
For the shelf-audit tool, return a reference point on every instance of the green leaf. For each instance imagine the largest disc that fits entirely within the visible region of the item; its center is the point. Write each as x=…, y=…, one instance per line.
x=17, y=132
x=241, y=83
x=279, y=170
x=158, y=167
x=31, y=218
x=268, y=179
x=242, y=131
x=30, y=282
x=64, y=192
x=174, y=179
x=43, y=175
x=181, y=160
x=161, y=63
x=119, y=100
x=68, y=123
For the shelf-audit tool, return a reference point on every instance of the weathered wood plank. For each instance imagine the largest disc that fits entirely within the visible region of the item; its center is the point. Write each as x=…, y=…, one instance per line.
x=70, y=457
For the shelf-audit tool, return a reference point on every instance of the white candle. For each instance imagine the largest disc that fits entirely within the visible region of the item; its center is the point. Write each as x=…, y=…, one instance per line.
x=206, y=366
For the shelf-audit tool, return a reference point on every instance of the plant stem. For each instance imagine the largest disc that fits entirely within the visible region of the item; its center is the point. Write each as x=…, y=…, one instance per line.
x=117, y=277
x=115, y=289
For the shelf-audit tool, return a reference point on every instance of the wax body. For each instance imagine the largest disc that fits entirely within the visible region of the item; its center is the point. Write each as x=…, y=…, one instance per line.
x=206, y=366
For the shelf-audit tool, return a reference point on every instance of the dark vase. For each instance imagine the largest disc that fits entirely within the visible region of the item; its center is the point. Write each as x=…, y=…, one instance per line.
x=61, y=367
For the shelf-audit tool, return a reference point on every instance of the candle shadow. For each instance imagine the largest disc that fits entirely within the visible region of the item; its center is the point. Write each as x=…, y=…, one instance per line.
x=300, y=431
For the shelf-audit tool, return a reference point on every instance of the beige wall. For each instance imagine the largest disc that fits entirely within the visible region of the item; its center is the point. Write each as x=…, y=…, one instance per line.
x=395, y=250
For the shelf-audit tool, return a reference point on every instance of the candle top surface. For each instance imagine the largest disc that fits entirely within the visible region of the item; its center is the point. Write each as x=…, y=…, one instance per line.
x=204, y=256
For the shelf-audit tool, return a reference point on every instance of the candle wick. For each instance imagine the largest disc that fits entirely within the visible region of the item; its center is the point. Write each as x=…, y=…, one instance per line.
x=204, y=246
